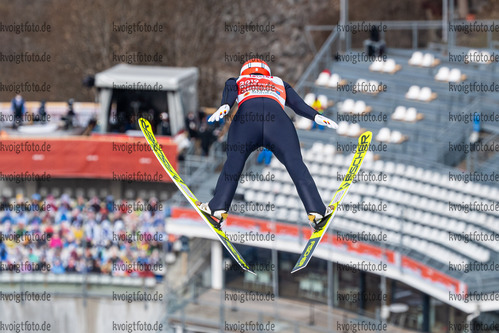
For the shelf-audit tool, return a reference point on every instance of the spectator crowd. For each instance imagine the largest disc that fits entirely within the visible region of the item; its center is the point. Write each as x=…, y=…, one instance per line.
x=75, y=235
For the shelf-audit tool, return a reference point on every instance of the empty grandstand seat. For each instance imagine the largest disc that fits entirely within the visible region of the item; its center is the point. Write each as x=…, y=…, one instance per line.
x=329, y=149
x=395, y=136
x=288, y=189
x=329, y=158
x=339, y=159
x=7, y=192
x=425, y=94
x=266, y=186
x=413, y=92
x=323, y=100
x=342, y=128
x=80, y=192
x=485, y=55
x=476, y=56
x=42, y=191
x=325, y=170
x=334, y=81
x=259, y=196
x=303, y=123
x=309, y=156
x=472, y=53
x=373, y=87
x=399, y=113
x=377, y=65
x=323, y=78
x=104, y=192
x=411, y=114
x=416, y=58
x=55, y=191
x=91, y=192
x=383, y=135
x=368, y=158
x=361, y=85
x=269, y=198
x=390, y=66
x=68, y=191
x=129, y=194
x=359, y=107
x=354, y=130
x=276, y=186
x=442, y=74
x=455, y=75
x=249, y=195
x=379, y=165
x=282, y=213
x=389, y=167
x=309, y=98
x=317, y=146
x=294, y=216
x=315, y=168
x=347, y=106
x=428, y=60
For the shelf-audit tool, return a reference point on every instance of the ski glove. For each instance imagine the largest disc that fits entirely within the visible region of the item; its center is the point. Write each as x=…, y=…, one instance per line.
x=321, y=120
x=220, y=113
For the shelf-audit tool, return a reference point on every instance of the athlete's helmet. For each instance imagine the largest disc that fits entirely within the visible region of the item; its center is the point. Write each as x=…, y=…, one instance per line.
x=255, y=66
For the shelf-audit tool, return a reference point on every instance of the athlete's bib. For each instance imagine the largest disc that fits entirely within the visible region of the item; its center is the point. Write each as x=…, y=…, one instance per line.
x=251, y=86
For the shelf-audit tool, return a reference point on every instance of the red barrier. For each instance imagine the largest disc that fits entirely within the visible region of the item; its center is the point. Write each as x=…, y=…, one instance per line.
x=98, y=156
x=360, y=248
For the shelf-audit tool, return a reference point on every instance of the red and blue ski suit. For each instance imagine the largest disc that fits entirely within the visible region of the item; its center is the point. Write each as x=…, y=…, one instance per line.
x=260, y=121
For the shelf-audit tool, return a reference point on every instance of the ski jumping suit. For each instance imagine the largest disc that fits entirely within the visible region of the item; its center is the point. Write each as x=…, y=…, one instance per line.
x=261, y=121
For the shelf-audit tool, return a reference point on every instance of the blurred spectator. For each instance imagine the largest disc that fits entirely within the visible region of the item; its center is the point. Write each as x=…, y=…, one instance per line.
x=57, y=267
x=183, y=144
x=207, y=136
x=70, y=117
x=317, y=106
x=264, y=156
x=192, y=125
x=42, y=113
x=18, y=109
x=77, y=235
x=165, y=124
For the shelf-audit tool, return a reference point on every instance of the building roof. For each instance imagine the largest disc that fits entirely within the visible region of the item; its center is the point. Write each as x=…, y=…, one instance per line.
x=124, y=76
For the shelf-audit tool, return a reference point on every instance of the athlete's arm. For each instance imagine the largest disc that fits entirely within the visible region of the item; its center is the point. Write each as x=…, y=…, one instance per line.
x=294, y=101
x=228, y=98
x=230, y=92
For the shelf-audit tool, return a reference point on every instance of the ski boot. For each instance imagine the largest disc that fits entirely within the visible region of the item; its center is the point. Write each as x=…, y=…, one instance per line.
x=217, y=217
x=318, y=221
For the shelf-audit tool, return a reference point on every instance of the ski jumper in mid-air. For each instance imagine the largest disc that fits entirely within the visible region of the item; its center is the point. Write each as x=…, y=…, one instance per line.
x=260, y=121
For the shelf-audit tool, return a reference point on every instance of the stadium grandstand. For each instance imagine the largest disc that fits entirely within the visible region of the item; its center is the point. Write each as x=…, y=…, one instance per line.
x=413, y=190
x=413, y=247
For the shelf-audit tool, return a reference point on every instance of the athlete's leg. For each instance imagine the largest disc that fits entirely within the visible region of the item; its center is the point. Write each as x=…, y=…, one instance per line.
x=280, y=137
x=245, y=135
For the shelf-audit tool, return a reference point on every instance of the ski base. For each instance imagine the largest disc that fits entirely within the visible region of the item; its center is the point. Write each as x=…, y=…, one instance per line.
x=145, y=126
x=316, y=237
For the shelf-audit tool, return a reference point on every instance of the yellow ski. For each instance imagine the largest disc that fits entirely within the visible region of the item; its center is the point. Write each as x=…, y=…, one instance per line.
x=145, y=126
x=315, y=238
